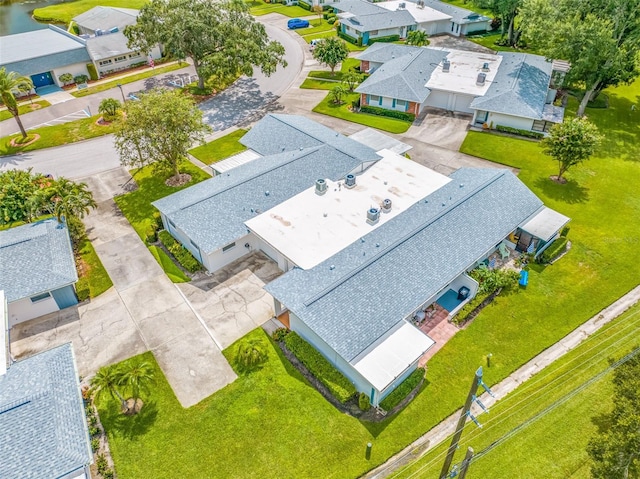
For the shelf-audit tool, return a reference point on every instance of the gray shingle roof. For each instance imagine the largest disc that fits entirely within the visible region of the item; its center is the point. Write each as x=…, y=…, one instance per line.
x=212, y=213
x=380, y=20
x=458, y=15
x=519, y=88
x=107, y=46
x=35, y=258
x=41, y=51
x=106, y=18
x=43, y=433
x=357, y=7
x=355, y=297
x=383, y=52
x=404, y=77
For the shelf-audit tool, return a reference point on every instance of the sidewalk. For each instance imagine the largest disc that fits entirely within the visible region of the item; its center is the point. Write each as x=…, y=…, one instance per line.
x=447, y=427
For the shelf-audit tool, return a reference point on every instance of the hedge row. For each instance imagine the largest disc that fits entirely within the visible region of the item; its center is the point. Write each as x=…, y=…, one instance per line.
x=400, y=115
x=518, y=131
x=470, y=307
x=387, y=39
x=557, y=247
x=179, y=252
x=402, y=391
x=349, y=38
x=322, y=369
x=305, y=5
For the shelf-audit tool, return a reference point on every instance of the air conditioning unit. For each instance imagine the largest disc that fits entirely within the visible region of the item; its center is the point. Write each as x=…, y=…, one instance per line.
x=446, y=65
x=481, y=79
x=350, y=181
x=321, y=187
x=485, y=67
x=386, y=205
x=373, y=216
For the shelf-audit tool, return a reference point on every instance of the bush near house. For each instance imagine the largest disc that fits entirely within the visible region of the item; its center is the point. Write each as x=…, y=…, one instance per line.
x=470, y=307
x=402, y=391
x=179, y=252
x=305, y=5
x=400, y=115
x=93, y=73
x=322, y=369
x=80, y=79
x=349, y=38
x=518, y=131
x=553, y=251
x=387, y=39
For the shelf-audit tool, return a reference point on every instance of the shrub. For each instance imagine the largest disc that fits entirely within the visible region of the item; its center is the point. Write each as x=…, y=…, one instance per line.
x=66, y=78
x=250, y=355
x=93, y=431
x=95, y=444
x=179, y=252
x=279, y=334
x=77, y=231
x=305, y=5
x=331, y=18
x=470, y=307
x=157, y=217
x=403, y=390
x=108, y=473
x=557, y=247
x=101, y=464
x=518, y=131
x=565, y=231
x=80, y=78
x=387, y=39
x=363, y=402
x=491, y=280
x=320, y=367
x=400, y=115
x=348, y=38
x=93, y=73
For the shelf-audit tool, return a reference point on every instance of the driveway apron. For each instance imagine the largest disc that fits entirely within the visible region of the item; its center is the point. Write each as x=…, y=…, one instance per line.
x=185, y=350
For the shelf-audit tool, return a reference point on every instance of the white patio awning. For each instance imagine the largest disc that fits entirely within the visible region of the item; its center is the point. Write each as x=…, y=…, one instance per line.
x=234, y=161
x=393, y=356
x=545, y=224
x=379, y=141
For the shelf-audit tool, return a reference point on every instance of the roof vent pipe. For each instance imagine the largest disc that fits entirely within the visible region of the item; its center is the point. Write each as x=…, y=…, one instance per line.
x=386, y=205
x=446, y=65
x=373, y=215
x=350, y=181
x=321, y=187
x=485, y=67
x=481, y=79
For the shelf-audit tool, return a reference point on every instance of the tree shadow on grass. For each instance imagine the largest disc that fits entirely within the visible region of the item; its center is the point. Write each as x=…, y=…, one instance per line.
x=129, y=427
x=603, y=422
x=571, y=192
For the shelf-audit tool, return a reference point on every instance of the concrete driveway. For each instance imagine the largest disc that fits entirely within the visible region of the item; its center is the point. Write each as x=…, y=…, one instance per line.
x=231, y=301
x=440, y=128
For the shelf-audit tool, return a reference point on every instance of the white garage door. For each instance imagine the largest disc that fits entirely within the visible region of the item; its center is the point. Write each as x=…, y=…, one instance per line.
x=437, y=99
x=462, y=103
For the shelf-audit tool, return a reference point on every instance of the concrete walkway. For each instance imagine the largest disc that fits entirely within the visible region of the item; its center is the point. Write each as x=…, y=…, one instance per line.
x=447, y=427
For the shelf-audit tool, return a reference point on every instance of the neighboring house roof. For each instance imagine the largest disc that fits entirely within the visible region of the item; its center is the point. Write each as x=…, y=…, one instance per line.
x=419, y=14
x=212, y=213
x=43, y=431
x=35, y=258
x=356, y=297
x=458, y=15
x=520, y=86
x=105, y=18
x=381, y=20
x=356, y=7
x=41, y=51
x=108, y=46
x=405, y=77
x=383, y=52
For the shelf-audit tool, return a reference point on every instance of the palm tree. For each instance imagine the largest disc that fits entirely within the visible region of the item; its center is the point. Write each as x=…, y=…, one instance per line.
x=418, y=38
x=68, y=198
x=138, y=376
x=109, y=108
x=250, y=354
x=106, y=381
x=10, y=85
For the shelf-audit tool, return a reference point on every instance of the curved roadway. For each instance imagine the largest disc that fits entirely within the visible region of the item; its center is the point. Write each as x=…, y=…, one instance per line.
x=247, y=100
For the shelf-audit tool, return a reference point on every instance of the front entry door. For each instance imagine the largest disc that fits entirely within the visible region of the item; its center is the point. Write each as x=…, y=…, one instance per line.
x=42, y=79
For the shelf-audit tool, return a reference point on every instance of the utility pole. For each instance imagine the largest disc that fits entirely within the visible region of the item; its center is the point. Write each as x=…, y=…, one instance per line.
x=466, y=412
x=466, y=463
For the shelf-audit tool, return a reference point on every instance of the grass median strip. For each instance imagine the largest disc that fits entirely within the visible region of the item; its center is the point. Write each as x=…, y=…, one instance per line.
x=26, y=107
x=94, y=279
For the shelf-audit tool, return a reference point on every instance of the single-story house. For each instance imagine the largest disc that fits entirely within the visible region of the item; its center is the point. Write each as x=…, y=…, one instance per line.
x=102, y=28
x=508, y=89
x=37, y=270
x=367, y=239
x=44, y=55
x=463, y=21
x=365, y=21
x=43, y=428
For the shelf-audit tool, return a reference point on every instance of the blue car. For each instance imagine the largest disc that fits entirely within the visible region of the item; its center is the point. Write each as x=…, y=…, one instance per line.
x=297, y=23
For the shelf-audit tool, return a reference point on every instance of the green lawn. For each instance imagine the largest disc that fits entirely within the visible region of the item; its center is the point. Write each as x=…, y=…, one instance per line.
x=64, y=12
x=221, y=148
x=327, y=107
x=315, y=27
x=259, y=7
x=95, y=280
x=174, y=273
x=24, y=107
x=535, y=447
x=159, y=70
x=58, y=135
x=319, y=84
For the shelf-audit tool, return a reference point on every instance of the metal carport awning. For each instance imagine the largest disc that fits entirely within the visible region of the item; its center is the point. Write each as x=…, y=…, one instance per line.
x=545, y=224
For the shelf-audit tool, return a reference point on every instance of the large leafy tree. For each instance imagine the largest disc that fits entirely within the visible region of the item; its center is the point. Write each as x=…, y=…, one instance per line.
x=65, y=198
x=158, y=130
x=571, y=142
x=21, y=197
x=331, y=51
x=220, y=37
x=12, y=84
x=600, y=38
x=615, y=452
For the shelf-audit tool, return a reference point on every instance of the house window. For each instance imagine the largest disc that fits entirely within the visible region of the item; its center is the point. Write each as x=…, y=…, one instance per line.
x=374, y=98
x=401, y=103
x=373, y=32
x=104, y=62
x=134, y=55
x=228, y=247
x=121, y=59
x=40, y=297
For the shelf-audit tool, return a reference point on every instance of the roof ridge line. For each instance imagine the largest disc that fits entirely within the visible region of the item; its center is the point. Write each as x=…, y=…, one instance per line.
x=401, y=240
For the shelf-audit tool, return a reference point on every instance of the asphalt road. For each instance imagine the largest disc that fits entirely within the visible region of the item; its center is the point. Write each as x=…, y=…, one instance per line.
x=245, y=101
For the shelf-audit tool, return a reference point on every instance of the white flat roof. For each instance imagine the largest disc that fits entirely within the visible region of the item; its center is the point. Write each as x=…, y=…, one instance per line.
x=545, y=224
x=420, y=15
x=235, y=161
x=393, y=356
x=379, y=141
x=4, y=326
x=463, y=73
x=309, y=228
